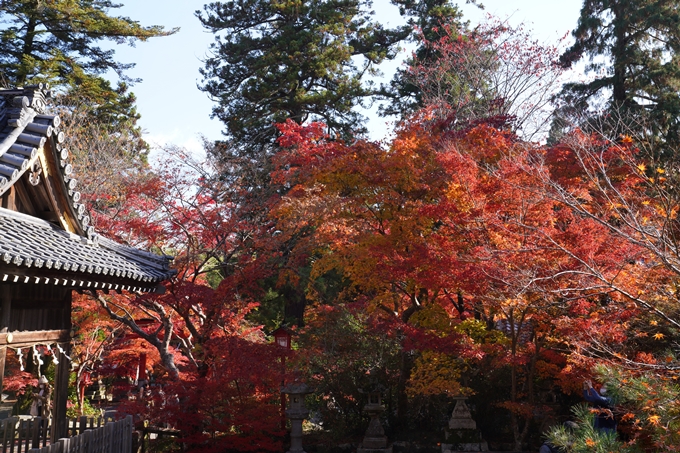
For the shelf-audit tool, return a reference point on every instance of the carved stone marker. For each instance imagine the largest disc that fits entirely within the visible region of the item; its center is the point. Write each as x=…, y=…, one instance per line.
x=463, y=434
x=461, y=418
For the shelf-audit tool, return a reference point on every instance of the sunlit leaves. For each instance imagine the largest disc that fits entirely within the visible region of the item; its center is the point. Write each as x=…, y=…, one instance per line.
x=436, y=374
x=492, y=73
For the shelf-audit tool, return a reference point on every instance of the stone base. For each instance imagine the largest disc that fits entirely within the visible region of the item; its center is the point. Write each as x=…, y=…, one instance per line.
x=462, y=423
x=375, y=443
x=361, y=449
x=474, y=446
x=463, y=436
x=461, y=418
x=464, y=440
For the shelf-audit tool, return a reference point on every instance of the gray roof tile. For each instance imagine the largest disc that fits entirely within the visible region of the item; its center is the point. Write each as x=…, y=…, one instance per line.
x=30, y=243
x=33, y=248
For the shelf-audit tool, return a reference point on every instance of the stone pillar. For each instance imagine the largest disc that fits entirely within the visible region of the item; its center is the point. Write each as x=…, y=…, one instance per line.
x=296, y=413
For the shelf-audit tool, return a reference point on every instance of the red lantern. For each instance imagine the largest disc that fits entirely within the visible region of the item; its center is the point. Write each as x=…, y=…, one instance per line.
x=282, y=337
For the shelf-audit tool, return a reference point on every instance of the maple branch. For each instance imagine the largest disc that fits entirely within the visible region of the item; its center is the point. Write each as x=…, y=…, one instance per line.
x=162, y=346
x=187, y=348
x=601, y=351
x=591, y=271
x=387, y=310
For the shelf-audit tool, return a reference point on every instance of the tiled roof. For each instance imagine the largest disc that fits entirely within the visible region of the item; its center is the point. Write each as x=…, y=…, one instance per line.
x=24, y=128
x=34, y=250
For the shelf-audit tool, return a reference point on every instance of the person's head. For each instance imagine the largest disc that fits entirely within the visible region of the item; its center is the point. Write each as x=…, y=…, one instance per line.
x=42, y=382
x=603, y=390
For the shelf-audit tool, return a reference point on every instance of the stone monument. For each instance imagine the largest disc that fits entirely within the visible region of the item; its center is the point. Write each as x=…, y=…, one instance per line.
x=375, y=440
x=296, y=413
x=462, y=434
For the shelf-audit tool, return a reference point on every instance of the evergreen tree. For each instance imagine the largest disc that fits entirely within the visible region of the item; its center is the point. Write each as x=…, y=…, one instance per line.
x=59, y=42
x=632, y=47
x=298, y=59
x=426, y=19
x=303, y=60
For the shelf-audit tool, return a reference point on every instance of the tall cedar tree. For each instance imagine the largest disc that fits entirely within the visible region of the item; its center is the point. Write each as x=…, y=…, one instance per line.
x=59, y=42
x=297, y=59
x=633, y=50
x=272, y=61
x=426, y=17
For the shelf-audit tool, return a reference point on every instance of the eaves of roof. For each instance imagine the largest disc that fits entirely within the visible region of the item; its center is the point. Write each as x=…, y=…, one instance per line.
x=36, y=251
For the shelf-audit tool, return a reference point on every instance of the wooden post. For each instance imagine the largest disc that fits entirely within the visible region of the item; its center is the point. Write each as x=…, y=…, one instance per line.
x=35, y=433
x=9, y=199
x=25, y=434
x=60, y=395
x=109, y=435
x=86, y=443
x=65, y=444
x=61, y=378
x=45, y=432
x=9, y=434
x=5, y=316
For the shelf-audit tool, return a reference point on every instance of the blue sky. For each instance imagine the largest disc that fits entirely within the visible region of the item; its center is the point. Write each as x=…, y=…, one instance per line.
x=175, y=111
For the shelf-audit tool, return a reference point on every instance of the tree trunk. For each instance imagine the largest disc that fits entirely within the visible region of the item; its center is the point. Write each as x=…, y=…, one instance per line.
x=402, y=398
x=29, y=37
x=619, y=95
x=514, y=419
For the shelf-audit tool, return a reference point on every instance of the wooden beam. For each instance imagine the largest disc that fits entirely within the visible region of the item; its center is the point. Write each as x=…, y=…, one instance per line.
x=76, y=280
x=22, y=339
x=29, y=197
x=56, y=189
x=6, y=301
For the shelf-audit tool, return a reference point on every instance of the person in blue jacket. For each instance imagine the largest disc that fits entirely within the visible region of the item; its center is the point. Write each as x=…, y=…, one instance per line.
x=604, y=419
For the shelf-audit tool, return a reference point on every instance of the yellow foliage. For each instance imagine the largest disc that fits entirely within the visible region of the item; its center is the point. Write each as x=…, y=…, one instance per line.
x=432, y=317
x=476, y=330
x=436, y=374
x=458, y=192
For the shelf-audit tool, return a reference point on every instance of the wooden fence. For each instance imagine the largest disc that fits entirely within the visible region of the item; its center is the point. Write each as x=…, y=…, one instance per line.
x=152, y=436
x=87, y=435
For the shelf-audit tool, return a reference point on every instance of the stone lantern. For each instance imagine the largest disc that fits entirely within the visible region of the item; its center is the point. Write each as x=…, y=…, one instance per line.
x=296, y=413
x=375, y=440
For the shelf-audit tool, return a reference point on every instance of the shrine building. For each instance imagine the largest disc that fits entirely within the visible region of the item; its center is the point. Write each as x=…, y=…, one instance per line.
x=48, y=248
